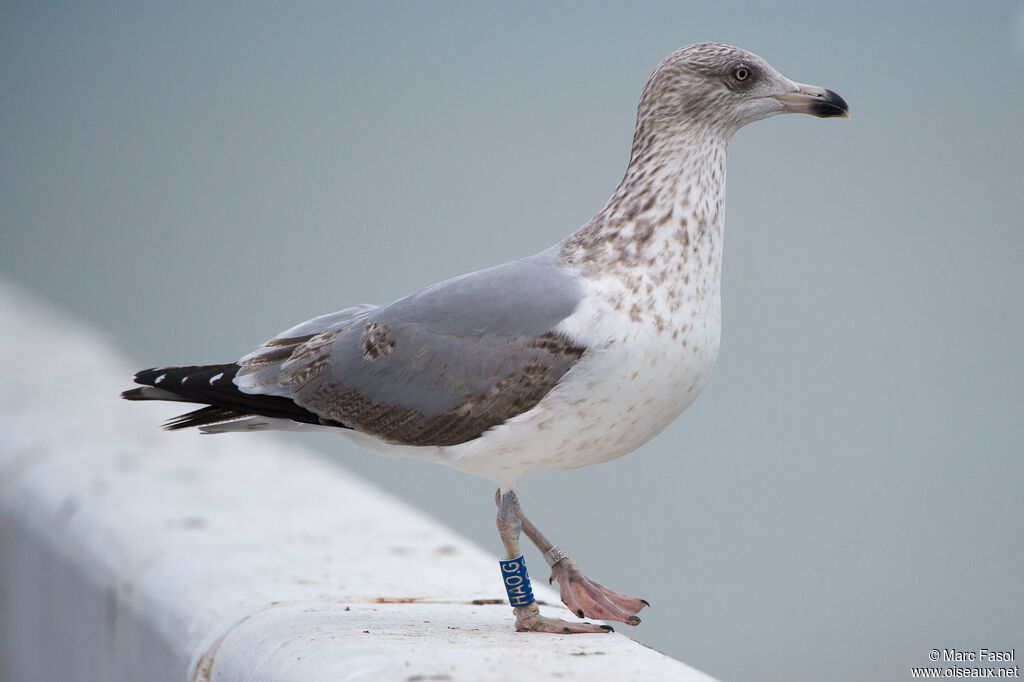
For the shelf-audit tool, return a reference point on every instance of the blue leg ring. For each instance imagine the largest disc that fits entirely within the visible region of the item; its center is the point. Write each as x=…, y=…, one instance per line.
x=517, y=581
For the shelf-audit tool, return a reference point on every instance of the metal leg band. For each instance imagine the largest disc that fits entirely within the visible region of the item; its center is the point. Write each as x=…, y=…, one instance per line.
x=553, y=555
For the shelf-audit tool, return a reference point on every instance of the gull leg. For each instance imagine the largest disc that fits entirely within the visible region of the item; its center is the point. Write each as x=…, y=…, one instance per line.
x=582, y=595
x=528, y=618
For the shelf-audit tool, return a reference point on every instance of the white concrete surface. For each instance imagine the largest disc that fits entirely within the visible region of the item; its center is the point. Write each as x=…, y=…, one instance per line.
x=128, y=553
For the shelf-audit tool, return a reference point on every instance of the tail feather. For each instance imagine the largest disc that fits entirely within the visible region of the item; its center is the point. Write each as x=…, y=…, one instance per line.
x=204, y=416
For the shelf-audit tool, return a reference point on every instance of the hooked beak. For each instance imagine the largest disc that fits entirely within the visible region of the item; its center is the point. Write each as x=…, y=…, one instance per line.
x=810, y=99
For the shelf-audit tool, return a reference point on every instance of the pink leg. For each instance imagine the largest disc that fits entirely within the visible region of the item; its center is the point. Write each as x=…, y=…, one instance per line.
x=583, y=596
x=528, y=618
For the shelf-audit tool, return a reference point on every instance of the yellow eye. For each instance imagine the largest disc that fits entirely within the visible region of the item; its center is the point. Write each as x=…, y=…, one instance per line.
x=741, y=73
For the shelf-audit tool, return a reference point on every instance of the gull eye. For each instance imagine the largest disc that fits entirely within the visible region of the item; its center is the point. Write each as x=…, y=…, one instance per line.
x=741, y=73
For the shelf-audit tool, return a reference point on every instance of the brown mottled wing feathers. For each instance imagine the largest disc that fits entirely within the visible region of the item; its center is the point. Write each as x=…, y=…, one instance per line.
x=530, y=369
x=438, y=367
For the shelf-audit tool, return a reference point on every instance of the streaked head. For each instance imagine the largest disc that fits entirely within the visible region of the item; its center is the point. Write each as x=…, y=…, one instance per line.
x=721, y=88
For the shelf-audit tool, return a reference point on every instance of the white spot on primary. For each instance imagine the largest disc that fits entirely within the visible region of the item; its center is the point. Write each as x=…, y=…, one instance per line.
x=215, y=377
x=160, y=378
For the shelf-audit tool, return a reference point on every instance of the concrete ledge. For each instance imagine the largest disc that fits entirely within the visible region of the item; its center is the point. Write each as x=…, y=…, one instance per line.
x=127, y=553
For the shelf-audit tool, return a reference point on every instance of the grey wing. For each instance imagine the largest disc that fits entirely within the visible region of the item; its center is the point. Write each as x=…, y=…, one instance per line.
x=438, y=367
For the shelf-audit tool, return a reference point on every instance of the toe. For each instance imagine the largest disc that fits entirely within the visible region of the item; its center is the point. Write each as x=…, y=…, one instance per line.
x=539, y=623
x=588, y=599
x=596, y=604
x=628, y=605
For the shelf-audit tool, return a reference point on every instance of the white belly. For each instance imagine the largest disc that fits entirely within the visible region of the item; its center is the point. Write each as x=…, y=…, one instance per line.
x=637, y=376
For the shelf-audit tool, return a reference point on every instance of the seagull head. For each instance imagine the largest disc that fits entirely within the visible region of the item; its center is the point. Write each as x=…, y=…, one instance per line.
x=720, y=88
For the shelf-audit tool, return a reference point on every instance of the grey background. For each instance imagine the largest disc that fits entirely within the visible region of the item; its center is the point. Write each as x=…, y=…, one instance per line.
x=844, y=497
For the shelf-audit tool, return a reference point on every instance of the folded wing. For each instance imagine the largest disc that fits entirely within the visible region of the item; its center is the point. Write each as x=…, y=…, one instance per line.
x=438, y=367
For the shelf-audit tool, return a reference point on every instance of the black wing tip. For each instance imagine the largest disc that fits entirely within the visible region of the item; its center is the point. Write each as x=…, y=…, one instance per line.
x=178, y=383
x=146, y=377
x=213, y=386
x=164, y=377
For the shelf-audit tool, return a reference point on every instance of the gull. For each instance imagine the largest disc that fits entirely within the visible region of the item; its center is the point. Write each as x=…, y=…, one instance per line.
x=571, y=357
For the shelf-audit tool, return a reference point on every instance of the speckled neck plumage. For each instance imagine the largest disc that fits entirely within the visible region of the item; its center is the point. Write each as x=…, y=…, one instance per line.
x=661, y=230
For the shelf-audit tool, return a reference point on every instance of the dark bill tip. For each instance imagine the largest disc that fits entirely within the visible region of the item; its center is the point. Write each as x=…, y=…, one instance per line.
x=830, y=105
